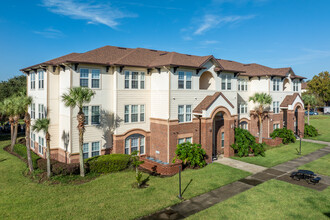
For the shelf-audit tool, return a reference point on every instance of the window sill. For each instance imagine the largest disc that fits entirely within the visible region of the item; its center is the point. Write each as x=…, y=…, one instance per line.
x=139, y=122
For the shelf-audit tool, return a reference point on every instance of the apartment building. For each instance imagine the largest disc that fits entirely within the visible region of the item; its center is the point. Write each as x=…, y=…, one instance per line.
x=151, y=100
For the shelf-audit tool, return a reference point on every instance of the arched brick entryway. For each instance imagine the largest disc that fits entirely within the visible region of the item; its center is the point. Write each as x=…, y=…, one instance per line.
x=209, y=130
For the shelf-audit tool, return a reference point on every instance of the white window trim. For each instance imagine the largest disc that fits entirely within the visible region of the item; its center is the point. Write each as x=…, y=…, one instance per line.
x=33, y=80
x=139, y=79
x=185, y=140
x=225, y=77
x=89, y=122
x=90, y=145
x=41, y=80
x=242, y=82
x=185, y=80
x=245, y=107
x=138, y=113
x=276, y=83
x=89, y=78
x=185, y=113
x=139, y=145
x=276, y=107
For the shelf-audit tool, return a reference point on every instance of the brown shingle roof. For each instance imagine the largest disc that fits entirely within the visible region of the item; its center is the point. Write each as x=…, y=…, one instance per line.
x=141, y=57
x=304, y=85
x=207, y=102
x=289, y=99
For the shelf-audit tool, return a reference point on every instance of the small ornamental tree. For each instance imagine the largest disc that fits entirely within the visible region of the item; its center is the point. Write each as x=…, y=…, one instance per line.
x=190, y=154
x=136, y=162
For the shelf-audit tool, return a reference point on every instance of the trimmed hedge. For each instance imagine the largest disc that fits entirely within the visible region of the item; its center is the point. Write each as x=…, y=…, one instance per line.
x=284, y=133
x=20, y=149
x=59, y=168
x=108, y=163
x=245, y=143
x=310, y=131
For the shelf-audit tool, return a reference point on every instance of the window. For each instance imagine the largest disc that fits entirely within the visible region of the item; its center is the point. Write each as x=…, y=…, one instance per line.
x=134, y=113
x=132, y=79
x=276, y=84
x=242, y=109
x=135, y=142
x=95, y=115
x=84, y=77
x=188, y=80
x=142, y=78
x=242, y=85
x=94, y=151
x=41, y=79
x=33, y=139
x=184, y=113
x=33, y=111
x=276, y=126
x=41, y=111
x=126, y=79
x=141, y=112
x=184, y=140
x=276, y=107
x=226, y=82
x=135, y=80
x=126, y=113
x=41, y=145
x=86, y=111
x=95, y=148
x=85, y=150
x=295, y=85
x=95, y=78
x=243, y=125
x=181, y=80
x=33, y=80
x=222, y=139
x=184, y=77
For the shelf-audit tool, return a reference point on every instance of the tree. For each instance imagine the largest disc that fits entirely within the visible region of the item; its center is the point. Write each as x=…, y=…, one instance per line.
x=12, y=87
x=309, y=100
x=77, y=97
x=320, y=85
x=263, y=101
x=26, y=101
x=42, y=124
x=17, y=110
x=7, y=109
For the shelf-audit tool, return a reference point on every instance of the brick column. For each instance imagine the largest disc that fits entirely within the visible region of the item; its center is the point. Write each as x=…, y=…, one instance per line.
x=229, y=137
x=301, y=121
x=290, y=120
x=206, y=138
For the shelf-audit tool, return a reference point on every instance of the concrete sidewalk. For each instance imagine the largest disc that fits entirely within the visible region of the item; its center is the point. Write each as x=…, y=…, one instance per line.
x=252, y=168
x=316, y=142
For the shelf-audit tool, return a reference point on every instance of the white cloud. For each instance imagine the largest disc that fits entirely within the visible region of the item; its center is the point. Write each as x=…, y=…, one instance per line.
x=212, y=21
x=208, y=42
x=50, y=33
x=94, y=13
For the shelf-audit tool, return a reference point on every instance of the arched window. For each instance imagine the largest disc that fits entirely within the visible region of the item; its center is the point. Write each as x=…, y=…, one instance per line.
x=135, y=142
x=243, y=125
x=206, y=81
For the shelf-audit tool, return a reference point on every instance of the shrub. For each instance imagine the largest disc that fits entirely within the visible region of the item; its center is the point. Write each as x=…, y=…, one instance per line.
x=108, y=163
x=20, y=149
x=310, y=131
x=245, y=143
x=59, y=168
x=284, y=133
x=191, y=154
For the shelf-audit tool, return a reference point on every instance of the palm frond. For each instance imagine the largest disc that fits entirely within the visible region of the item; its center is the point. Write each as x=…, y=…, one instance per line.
x=41, y=124
x=77, y=96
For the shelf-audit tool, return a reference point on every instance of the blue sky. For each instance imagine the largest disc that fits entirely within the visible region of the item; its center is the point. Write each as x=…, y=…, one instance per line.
x=276, y=33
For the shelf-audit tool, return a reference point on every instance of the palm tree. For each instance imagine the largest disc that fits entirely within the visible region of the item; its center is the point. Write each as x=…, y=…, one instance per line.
x=26, y=101
x=77, y=97
x=309, y=100
x=17, y=110
x=7, y=109
x=42, y=124
x=263, y=100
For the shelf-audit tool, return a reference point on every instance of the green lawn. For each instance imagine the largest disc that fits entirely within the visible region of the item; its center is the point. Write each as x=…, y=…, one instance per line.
x=107, y=197
x=322, y=124
x=319, y=166
x=281, y=154
x=273, y=199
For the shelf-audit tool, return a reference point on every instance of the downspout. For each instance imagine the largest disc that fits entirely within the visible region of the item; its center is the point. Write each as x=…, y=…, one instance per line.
x=169, y=113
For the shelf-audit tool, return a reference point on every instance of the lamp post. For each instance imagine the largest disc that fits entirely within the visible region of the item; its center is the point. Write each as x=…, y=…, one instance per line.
x=299, y=132
x=180, y=195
